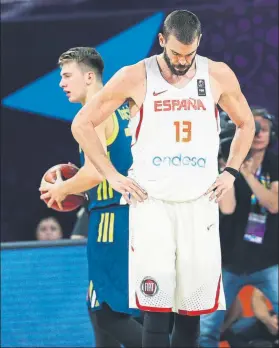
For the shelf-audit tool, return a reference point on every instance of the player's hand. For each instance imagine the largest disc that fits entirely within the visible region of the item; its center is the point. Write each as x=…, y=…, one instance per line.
x=272, y=325
x=127, y=187
x=54, y=192
x=221, y=186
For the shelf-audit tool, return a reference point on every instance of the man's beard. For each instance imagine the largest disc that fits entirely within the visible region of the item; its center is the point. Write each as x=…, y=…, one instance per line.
x=179, y=69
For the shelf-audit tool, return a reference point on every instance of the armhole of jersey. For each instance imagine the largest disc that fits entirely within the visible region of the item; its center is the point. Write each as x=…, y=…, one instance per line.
x=145, y=62
x=209, y=82
x=146, y=86
x=115, y=131
x=217, y=118
x=203, y=63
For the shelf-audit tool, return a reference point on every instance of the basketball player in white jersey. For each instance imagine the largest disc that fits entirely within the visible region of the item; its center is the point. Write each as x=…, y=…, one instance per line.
x=174, y=183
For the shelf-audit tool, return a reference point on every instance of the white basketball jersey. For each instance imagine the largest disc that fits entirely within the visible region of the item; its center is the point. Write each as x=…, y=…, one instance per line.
x=176, y=136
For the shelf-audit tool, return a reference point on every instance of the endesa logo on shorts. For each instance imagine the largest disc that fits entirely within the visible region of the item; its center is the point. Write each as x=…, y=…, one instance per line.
x=179, y=161
x=178, y=105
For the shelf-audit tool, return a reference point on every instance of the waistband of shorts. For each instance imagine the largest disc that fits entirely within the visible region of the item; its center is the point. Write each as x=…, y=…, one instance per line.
x=111, y=206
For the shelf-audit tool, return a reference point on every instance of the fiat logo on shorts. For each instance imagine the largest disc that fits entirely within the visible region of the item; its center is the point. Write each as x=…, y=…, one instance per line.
x=149, y=286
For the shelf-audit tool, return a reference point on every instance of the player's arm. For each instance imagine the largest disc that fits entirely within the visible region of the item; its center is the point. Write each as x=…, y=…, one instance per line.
x=234, y=103
x=227, y=204
x=121, y=87
x=86, y=178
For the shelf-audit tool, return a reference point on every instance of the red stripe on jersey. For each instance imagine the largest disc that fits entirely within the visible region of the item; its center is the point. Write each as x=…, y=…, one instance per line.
x=205, y=311
x=217, y=116
x=139, y=126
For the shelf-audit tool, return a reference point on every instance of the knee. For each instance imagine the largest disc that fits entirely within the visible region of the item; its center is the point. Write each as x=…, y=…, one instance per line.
x=156, y=322
x=185, y=322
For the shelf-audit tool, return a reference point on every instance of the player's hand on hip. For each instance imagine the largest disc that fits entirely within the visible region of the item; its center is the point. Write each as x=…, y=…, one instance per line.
x=127, y=187
x=221, y=186
x=53, y=192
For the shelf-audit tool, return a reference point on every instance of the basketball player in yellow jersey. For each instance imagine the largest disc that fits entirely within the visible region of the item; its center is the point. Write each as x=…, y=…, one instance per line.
x=176, y=259
x=108, y=235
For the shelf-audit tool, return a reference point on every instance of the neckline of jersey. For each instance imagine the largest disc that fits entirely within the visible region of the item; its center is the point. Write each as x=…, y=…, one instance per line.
x=169, y=84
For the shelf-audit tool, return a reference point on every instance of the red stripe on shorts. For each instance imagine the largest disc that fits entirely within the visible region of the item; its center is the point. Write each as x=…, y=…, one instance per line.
x=205, y=311
x=152, y=309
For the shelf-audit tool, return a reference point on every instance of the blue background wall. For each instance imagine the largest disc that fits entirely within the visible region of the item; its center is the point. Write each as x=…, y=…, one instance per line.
x=43, y=292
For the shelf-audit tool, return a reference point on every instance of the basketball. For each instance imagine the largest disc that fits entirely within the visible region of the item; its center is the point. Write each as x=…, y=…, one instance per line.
x=71, y=202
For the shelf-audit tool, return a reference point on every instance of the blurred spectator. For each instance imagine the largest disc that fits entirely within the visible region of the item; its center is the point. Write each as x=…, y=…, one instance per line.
x=49, y=229
x=261, y=330
x=249, y=229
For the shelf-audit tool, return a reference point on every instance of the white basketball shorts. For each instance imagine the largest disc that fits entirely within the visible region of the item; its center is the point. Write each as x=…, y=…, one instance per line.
x=175, y=257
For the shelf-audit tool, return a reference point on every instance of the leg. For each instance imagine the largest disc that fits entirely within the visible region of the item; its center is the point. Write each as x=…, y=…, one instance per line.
x=210, y=324
x=153, y=268
x=122, y=327
x=199, y=283
x=243, y=324
x=186, y=331
x=267, y=281
x=153, y=256
x=199, y=287
x=247, y=330
x=107, y=251
x=102, y=338
x=250, y=329
x=156, y=330
x=236, y=334
x=108, y=274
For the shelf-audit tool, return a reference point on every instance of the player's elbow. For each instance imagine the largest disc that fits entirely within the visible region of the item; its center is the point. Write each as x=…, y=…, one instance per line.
x=78, y=127
x=96, y=180
x=247, y=122
x=92, y=177
x=250, y=126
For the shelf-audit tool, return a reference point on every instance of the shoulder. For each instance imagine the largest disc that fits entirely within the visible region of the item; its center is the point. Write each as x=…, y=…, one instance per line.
x=220, y=70
x=224, y=77
x=133, y=72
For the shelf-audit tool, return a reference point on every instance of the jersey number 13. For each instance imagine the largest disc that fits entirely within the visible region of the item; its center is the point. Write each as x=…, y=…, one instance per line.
x=183, y=131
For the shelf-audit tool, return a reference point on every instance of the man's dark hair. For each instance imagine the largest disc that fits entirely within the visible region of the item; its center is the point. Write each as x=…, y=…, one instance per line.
x=184, y=25
x=87, y=57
